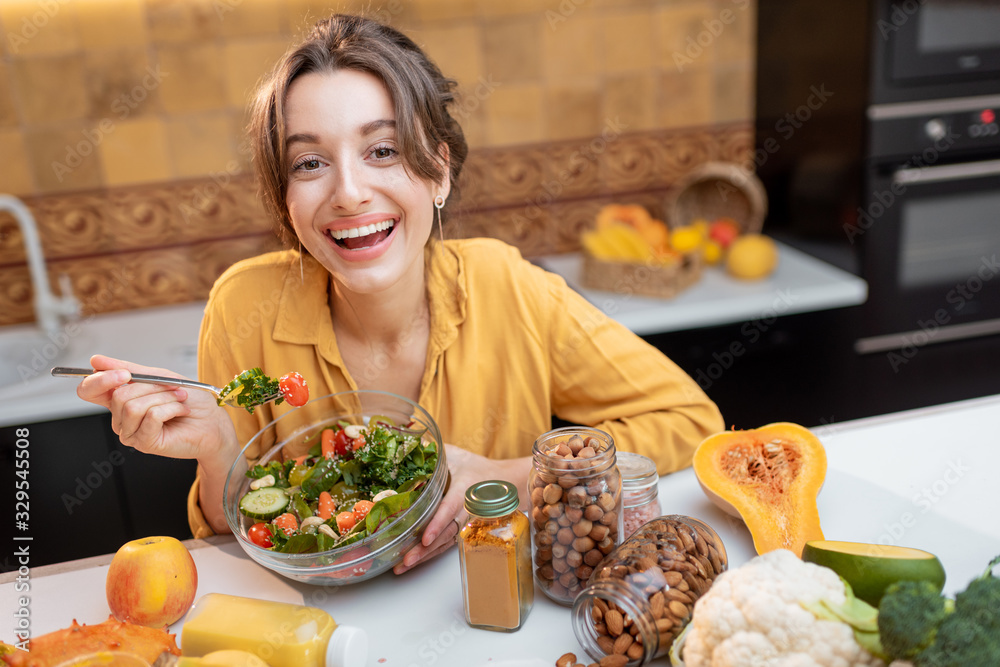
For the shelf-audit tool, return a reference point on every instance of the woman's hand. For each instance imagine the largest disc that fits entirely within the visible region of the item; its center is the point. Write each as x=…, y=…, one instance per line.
x=466, y=469
x=167, y=421
x=156, y=419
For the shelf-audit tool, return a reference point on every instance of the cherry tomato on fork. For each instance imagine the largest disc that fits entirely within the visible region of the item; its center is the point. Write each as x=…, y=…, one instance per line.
x=293, y=387
x=260, y=535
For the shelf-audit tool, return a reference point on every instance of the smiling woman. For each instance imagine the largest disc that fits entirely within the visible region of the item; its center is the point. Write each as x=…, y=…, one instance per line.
x=357, y=154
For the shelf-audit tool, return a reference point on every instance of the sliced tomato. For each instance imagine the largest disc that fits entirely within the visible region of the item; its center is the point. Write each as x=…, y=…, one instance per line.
x=361, y=509
x=293, y=387
x=260, y=535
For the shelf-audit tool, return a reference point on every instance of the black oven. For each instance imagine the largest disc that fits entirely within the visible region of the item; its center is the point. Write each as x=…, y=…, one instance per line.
x=932, y=49
x=929, y=222
x=942, y=39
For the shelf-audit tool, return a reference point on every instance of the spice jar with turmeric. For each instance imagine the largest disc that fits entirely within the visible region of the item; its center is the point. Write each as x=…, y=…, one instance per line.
x=495, y=553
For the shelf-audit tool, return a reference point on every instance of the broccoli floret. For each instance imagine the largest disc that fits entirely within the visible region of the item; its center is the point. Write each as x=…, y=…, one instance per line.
x=908, y=617
x=916, y=622
x=969, y=637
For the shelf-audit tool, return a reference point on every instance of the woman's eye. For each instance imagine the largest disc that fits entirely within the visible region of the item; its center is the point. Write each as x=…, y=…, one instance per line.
x=383, y=152
x=308, y=164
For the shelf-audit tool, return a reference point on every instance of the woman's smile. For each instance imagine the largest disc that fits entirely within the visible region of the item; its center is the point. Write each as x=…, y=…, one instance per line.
x=363, y=238
x=352, y=201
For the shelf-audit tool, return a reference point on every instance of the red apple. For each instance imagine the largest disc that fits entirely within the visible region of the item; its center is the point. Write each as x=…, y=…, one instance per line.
x=724, y=231
x=152, y=581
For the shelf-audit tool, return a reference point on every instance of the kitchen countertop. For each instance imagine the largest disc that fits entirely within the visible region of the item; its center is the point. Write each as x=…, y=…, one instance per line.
x=921, y=478
x=800, y=284
x=162, y=337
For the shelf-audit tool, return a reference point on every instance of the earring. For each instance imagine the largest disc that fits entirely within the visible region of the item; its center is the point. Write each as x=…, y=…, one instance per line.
x=439, y=204
x=302, y=271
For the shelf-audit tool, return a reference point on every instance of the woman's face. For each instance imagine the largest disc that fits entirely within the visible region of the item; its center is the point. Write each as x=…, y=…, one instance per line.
x=352, y=203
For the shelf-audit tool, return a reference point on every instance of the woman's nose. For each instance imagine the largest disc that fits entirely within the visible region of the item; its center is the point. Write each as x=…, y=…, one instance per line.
x=350, y=188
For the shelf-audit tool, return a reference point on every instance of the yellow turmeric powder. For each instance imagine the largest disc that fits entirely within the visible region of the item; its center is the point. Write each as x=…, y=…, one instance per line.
x=495, y=552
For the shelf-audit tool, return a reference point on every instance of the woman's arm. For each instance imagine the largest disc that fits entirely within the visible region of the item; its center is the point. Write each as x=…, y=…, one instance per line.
x=603, y=375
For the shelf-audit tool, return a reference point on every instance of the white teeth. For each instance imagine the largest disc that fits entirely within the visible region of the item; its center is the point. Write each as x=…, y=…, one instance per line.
x=356, y=232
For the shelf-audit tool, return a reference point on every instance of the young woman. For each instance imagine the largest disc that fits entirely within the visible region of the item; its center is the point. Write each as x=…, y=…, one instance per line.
x=357, y=153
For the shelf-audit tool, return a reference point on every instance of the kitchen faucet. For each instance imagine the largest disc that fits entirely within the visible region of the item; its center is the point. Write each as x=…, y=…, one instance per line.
x=49, y=308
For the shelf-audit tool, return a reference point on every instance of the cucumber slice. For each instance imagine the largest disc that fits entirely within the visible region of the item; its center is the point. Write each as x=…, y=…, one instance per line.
x=264, y=504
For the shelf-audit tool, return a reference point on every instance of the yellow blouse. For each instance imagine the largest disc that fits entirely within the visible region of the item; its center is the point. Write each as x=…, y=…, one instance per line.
x=510, y=346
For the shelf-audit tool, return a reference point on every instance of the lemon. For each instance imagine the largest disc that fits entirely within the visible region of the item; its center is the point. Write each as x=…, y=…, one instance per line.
x=686, y=239
x=711, y=252
x=751, y=257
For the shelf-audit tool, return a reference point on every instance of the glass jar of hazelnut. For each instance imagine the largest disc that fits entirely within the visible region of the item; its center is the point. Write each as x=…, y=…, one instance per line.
x=576, y=508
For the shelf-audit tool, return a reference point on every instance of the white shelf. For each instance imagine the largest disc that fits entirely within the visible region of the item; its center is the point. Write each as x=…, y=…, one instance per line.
x=800, y=284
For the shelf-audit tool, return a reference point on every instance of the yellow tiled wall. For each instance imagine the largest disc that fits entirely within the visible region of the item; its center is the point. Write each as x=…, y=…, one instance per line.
x=105, y=93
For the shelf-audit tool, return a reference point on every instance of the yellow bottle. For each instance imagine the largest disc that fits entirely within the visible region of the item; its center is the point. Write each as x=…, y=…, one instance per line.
x=226, y=658
x=280, y=634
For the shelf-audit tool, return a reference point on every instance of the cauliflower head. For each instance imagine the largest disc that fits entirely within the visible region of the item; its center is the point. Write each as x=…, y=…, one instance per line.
x=752, y=616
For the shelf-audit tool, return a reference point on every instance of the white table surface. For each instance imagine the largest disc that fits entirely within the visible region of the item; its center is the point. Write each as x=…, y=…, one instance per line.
x=163, y=337
x=801, y=283
x=924, y=478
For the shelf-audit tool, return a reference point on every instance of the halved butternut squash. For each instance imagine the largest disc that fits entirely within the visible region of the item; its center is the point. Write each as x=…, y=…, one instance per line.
x=769, y=477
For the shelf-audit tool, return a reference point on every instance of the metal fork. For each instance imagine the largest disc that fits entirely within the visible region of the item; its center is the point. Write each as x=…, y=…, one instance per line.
x=63, y=371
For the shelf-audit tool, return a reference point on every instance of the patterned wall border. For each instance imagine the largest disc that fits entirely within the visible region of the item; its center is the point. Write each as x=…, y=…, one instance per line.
x=166, y=243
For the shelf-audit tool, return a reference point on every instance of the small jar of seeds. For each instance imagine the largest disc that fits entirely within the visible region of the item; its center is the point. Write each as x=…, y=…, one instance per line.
x=641, y=595
x=640, y=493
x=576, y=508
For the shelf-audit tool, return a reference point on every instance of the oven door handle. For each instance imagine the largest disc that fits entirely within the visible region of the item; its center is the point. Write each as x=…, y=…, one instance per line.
x=948, y=172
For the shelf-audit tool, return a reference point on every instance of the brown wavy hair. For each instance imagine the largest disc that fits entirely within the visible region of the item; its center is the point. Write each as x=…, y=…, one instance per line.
x=420, y=93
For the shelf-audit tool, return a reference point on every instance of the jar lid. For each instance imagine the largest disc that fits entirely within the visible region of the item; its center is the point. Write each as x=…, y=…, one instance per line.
x=492, y=498
x=637, y=471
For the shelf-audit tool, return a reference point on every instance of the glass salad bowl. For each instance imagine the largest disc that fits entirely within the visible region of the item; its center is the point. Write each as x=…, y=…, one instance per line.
x=333, y=555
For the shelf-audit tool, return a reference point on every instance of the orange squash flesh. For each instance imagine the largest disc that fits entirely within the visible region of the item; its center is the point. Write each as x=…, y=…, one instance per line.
x=769, y=477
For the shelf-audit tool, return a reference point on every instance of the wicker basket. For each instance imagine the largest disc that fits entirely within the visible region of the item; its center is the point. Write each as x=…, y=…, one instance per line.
x=716, y=190
x=626, y=278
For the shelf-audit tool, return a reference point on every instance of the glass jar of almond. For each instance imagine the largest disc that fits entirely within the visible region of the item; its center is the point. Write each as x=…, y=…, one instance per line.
x=640, y=597
x=576, y=508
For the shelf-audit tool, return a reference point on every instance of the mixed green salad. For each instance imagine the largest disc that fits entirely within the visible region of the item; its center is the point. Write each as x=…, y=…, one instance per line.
x=252, y=388
x=352, y=482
